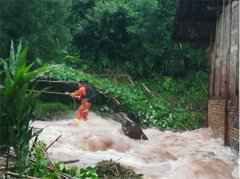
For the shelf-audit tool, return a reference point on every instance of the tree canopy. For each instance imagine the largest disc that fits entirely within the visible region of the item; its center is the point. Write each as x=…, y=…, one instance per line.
x=133, y=36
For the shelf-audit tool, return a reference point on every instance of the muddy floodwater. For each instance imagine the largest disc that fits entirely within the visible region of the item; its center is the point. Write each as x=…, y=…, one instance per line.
x=166, y=155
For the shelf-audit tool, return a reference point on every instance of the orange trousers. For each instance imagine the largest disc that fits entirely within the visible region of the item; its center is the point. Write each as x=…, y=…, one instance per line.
x=82, y=112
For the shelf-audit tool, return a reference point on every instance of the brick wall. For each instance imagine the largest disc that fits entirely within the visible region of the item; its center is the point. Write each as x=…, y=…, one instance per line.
x=216, y=116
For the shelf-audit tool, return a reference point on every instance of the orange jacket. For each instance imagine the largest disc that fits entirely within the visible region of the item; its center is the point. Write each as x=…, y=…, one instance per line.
x=80, y=93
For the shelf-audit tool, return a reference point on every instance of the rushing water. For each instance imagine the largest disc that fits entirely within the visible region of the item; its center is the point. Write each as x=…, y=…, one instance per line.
x=166, y=155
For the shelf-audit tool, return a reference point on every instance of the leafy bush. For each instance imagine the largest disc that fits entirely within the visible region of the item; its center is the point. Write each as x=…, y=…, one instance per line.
x=17, y=103
x=41, y=167
x=175, y=103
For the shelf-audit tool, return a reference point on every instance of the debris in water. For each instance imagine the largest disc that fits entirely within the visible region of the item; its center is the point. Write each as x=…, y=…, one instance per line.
x=108, y=169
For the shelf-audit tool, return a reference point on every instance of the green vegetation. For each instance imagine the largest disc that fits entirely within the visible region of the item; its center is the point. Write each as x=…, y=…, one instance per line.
x=50, y=110
x=133, y=37
x=40, y=24
x=121, y=36
x=17, y=103
x=171, y=107
x=42, y=167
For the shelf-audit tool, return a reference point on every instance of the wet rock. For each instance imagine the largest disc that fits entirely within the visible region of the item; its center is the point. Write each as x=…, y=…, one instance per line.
x=129, y=127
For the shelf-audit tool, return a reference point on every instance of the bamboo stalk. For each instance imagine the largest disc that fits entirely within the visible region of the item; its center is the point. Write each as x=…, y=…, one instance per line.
x=70, y=161
x=52, y=143
x=50, y=92
x=59, y=81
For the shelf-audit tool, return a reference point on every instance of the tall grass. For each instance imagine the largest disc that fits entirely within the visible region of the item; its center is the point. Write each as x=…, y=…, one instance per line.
x=17, y=103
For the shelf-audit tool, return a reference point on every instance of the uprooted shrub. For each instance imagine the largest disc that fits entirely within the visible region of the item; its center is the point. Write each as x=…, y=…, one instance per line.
x=110, y=169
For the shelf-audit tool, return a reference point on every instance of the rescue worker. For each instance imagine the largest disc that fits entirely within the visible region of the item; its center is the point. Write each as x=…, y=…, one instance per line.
x=85, y=95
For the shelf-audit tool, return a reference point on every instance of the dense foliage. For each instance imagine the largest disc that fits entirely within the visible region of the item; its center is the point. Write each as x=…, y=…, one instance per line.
x=170, y=107
x=132, y=36
x=127, y=36
x=39, y=23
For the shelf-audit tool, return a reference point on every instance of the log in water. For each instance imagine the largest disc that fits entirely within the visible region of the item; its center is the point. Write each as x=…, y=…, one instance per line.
x=166, y=155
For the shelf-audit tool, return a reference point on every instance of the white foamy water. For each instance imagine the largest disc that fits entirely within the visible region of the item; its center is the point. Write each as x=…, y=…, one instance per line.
x=166, y=155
